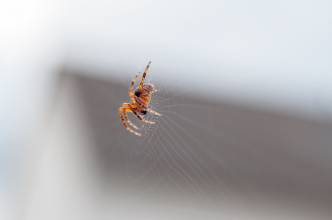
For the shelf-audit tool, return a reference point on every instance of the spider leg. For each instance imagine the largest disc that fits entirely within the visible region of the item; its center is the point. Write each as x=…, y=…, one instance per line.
x=129, y=122
x=129, y=128
x=144, y=75
x=140, y=117
x=131, y=88
x=153, y=112
x=127, y=108
x=125, y=120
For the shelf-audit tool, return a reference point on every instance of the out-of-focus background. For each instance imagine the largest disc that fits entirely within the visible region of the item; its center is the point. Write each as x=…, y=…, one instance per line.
x=244, y=89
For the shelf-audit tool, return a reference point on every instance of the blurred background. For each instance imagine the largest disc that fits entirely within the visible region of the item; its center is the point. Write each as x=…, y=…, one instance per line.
x=244, y=89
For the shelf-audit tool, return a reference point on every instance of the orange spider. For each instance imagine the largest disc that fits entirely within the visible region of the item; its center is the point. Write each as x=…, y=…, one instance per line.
x=140, y=99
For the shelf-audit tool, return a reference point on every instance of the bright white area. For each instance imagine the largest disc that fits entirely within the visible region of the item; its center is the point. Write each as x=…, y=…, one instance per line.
x=29, y=53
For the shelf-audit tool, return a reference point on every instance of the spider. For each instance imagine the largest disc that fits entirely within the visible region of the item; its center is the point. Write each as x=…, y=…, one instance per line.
x=140, y=99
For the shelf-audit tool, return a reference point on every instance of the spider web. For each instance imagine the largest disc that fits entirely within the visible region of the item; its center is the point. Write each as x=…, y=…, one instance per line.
x=173, y=157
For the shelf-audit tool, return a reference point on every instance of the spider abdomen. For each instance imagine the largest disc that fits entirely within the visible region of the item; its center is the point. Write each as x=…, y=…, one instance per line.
x=143, y=100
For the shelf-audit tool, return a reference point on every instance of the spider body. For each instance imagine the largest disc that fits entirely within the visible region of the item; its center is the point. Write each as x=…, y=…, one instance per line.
x=139, y=104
